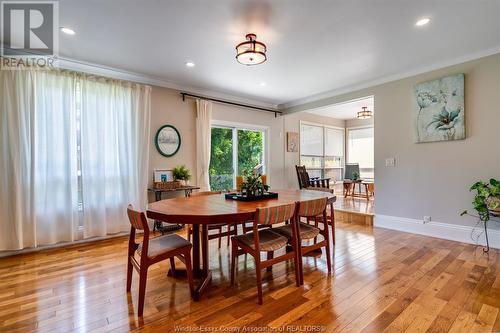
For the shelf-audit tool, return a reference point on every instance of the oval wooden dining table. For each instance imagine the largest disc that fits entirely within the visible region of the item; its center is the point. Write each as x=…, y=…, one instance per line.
x=200, y=211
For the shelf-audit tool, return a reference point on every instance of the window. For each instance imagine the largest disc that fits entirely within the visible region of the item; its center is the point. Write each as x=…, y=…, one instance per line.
x=322, y=150
x=235, y=151
x=360, y=150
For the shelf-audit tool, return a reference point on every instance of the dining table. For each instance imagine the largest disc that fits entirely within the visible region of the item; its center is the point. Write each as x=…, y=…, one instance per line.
x=201, y=211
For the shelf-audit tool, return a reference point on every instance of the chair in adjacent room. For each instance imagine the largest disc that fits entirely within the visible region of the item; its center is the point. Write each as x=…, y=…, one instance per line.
x=312, y=183
x=151, y=251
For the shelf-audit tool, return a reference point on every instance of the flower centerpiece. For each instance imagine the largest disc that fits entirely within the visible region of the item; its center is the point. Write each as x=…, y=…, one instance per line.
x=253, y=186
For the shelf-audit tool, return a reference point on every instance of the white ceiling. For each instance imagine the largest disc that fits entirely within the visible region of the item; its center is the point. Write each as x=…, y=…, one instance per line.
x=313, y=46
x=346, y=110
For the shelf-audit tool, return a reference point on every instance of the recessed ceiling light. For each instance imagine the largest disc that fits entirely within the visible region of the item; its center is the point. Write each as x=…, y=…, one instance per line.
x=68, y=31
x=422, y=22
x=190, y=64
x=262, y=84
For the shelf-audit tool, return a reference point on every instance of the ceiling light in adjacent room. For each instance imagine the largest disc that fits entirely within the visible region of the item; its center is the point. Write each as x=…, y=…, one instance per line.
x=422, y=22
x=262, y=84
x=190, y=64
x=68, y=31
x=251, y=52
x=365, y=113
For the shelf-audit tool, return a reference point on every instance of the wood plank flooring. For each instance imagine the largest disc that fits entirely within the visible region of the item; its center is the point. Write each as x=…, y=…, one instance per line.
x=383, y=281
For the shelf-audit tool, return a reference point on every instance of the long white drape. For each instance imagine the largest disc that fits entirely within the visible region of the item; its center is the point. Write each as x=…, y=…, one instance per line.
x=115, y=121
x=41, y=200
x=203, y=146
x=38, y=182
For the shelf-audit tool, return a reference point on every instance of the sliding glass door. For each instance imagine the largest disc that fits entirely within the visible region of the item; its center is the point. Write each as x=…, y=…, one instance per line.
x=235, y=151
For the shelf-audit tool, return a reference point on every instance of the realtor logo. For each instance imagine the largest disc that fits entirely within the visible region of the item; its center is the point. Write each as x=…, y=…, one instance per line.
x=29, y=30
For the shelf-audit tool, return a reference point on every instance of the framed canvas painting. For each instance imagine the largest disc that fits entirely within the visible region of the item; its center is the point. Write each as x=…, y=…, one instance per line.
x=292, y=142
x=439, y=110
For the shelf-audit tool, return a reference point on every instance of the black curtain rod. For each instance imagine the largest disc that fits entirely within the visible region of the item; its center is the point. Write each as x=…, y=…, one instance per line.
x=184, y=95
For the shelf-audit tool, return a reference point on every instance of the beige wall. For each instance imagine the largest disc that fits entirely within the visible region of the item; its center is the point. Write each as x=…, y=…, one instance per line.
x=433, y=178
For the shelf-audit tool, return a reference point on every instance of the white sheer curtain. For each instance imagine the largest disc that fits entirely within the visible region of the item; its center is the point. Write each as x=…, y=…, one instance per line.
x=203, y=140
x=38, y=198
x=115, y=120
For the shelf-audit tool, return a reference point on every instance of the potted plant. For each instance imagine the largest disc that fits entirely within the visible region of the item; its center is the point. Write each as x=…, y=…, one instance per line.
x=253, y=186
x=182, y=174
x=355, y=176
x=486, y=202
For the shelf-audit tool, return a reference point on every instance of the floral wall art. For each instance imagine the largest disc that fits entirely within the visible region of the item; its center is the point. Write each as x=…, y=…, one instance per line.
x=439, y=110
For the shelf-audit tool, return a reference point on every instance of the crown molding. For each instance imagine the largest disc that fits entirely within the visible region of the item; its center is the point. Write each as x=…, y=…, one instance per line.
x=115, y=73
x=285, y=107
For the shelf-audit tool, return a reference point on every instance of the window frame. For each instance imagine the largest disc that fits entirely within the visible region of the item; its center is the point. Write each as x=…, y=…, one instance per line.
x=235, y=126
x=323, y=156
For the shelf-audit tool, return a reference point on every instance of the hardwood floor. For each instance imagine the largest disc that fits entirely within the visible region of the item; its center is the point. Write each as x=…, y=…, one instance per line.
x=383, y=281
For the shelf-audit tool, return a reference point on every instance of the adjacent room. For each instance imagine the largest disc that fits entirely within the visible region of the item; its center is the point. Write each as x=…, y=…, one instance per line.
x=249, y=166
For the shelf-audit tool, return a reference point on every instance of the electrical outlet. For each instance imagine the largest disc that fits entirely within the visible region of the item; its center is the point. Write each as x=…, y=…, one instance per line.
x=427, y=219
x=390, y=162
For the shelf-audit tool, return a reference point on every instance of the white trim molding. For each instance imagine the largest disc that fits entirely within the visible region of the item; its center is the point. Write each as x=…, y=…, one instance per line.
x=448, y=231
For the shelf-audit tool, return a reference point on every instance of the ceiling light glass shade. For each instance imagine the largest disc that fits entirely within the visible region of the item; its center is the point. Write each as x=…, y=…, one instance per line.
x=251, y=52
x=365, y=113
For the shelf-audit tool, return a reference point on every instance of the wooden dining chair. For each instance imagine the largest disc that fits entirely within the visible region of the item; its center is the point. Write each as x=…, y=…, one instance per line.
x=230, y=229
x=266, y=240
x=151, y=251
x=310, y=209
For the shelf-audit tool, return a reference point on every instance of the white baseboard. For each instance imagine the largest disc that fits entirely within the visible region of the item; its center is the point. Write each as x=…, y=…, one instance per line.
x=448, y=231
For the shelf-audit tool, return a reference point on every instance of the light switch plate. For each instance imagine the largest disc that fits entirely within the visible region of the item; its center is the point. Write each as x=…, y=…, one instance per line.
x=390, y=162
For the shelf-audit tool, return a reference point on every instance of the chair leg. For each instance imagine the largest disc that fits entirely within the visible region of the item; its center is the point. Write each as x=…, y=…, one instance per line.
x=220, y=237
x=327, y=250
x=189, y=232
x=172, y=266
x=258, y=274
x=129, y=274
x=189, y=271
x=228, y=234
x=234, y=250
x=143, y=275
x=270, y=255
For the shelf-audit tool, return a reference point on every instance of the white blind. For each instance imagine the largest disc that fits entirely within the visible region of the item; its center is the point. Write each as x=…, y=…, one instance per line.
x=311, y=140
x=360, y=147
x=334, y=142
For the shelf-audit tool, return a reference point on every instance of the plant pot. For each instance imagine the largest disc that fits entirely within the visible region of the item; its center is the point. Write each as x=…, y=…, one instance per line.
x=491, y=202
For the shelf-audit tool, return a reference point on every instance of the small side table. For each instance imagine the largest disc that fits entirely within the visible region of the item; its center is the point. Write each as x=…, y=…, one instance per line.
x=350, y=189
x=158, y=225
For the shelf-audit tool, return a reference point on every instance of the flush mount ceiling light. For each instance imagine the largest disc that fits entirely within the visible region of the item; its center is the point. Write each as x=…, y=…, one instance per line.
x=251, y=52
x=365, y=113
x=422, y=21
x=190, y=64
x=68, y=31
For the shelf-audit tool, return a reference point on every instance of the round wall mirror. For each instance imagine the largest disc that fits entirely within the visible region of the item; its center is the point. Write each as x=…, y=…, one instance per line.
x=168, y=140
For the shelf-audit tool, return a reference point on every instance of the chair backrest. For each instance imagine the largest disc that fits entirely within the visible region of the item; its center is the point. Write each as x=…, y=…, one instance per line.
x=137, y=219
x=312, y=208
x=302, y=176
x=350, y=169
x=277, y=214
x=203, y=193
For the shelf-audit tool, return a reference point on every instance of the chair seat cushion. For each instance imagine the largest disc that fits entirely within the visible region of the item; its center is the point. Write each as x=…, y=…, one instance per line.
x=268, y=240
x=307, y=231
x=163, y=244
